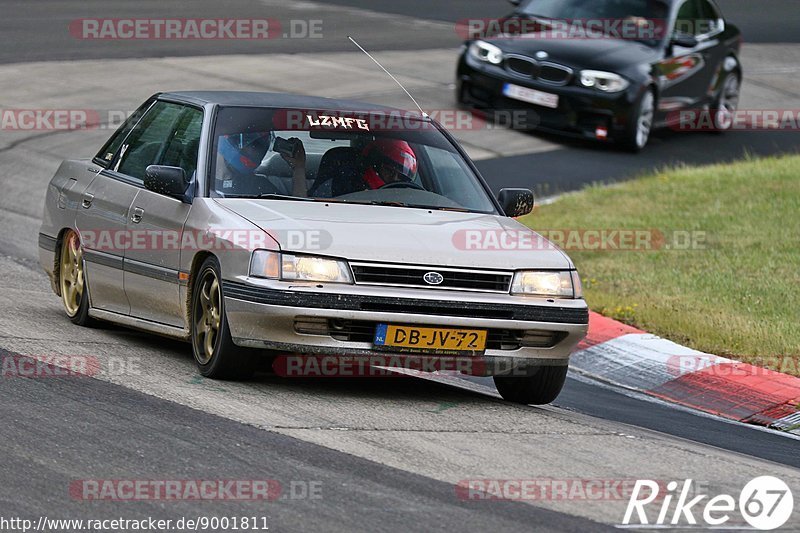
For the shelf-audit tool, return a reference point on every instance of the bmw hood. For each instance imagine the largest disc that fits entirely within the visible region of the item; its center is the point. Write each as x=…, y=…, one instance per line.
x=603, y=54
x=400, y=235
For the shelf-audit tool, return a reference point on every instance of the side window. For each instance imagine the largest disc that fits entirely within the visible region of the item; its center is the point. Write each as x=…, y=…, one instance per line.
x=709, y=18
x=106, y=154
x=687, y=15
x=146, y=143
x=696, y=17
x=181, y=150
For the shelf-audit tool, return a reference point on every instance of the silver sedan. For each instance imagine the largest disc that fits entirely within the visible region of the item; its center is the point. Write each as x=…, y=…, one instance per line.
x=318, y=233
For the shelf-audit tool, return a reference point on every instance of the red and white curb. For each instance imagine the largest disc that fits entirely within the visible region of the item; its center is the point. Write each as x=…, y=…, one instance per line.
x=631, y=358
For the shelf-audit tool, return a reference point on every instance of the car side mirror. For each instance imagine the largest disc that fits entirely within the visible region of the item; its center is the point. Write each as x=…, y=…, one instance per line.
x=684, y=40
x=171, y=181
x=516, y=202
x=515, y=2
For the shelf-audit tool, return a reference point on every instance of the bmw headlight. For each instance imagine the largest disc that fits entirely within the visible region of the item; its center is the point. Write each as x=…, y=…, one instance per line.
x=291, y=267
x=488, y=53
x=604, y=81
x=554, y=284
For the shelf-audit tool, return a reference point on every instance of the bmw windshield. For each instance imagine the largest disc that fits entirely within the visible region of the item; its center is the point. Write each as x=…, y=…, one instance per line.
x=640, y=20
x=390, y=158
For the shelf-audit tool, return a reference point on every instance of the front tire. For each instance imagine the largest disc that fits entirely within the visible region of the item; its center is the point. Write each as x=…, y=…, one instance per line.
x=637, y=133
x=538, y=389
x=727, y=102
x=215, y=354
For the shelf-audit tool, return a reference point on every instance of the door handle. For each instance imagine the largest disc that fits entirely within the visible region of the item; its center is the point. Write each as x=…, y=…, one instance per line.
x=137, y=215
x=87, y=200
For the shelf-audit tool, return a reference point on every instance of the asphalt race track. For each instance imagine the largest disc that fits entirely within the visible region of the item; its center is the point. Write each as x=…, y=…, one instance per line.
x=384, y=454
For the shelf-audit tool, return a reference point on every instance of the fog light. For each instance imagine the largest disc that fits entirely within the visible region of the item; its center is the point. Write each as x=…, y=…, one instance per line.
x=311, y=325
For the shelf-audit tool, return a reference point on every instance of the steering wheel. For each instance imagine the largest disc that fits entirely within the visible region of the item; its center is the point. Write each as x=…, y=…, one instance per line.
x=398, y=184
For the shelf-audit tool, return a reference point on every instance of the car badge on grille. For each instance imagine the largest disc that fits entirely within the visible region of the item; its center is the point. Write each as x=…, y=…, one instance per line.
x=433, y=278
x=541, y=54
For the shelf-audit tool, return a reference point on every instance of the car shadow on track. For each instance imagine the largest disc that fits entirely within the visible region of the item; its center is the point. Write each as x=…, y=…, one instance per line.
x=394, y=387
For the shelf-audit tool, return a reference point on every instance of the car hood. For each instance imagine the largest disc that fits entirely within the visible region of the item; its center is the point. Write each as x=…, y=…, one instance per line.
x=604, y=54
x=401, y=235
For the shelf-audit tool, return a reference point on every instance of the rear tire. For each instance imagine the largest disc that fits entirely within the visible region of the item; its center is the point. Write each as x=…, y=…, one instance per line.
x=72, y=280
x=215, y=354
x=538, y=389
x=638, y=131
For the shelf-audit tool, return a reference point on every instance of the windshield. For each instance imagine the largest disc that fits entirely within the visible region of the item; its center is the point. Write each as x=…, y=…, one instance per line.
x=614, y=18
x=382, y=159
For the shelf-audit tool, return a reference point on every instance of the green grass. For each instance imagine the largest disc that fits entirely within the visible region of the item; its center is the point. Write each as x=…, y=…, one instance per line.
x=738, y=295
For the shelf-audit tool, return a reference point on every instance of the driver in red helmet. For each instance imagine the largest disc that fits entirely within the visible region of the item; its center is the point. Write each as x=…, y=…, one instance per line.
x=388, y=161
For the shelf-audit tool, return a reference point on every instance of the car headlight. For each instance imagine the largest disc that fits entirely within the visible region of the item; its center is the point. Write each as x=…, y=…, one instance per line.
x=483, y=51
x=557, y=284
x=605, y=81
x=290, y=267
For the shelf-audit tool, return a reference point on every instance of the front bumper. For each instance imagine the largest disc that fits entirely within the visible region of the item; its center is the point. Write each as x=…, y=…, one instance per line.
x=580, y=112
x=268, y=314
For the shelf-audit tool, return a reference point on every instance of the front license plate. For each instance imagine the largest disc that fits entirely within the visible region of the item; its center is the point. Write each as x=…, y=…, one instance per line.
x=532, y=96
x=413, y=339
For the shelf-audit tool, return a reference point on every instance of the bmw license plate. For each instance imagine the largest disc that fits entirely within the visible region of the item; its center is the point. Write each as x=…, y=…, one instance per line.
x=532, y=96
x=414, y=339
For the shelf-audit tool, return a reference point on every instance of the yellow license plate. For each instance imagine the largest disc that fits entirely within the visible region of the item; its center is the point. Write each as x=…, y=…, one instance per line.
x=433, y=340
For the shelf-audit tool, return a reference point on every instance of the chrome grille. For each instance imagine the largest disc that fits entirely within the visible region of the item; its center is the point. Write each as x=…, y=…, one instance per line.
x=452, y=279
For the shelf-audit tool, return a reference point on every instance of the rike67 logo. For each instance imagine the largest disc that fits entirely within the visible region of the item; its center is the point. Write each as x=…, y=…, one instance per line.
x=765, y=503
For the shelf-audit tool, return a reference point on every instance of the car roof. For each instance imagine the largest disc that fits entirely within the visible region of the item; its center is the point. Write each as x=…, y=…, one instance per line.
x=275, y=100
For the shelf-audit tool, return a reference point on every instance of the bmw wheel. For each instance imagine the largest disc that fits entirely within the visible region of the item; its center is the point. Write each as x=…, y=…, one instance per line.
x=214, y=352
x=640, y=126
x=537, y=389
x=727, y=102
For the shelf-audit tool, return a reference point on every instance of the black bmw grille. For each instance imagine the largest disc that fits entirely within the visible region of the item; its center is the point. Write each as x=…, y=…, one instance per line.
x=415, y=277
x=544, y=71
x=521, y=66
x=554, y=74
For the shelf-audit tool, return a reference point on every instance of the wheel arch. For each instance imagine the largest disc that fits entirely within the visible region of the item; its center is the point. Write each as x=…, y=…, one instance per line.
x=197, y=261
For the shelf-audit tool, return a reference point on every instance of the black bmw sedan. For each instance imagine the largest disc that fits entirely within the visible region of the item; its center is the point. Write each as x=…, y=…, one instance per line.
x=611, y=70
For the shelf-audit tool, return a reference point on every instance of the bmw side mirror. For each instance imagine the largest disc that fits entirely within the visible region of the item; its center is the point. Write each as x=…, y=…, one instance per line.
x=516, y=202
x=171, y=181
x=684, y=40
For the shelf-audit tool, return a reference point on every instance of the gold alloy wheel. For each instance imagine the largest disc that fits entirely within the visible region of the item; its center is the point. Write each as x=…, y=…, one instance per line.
x=207, y=315
x=71, y=275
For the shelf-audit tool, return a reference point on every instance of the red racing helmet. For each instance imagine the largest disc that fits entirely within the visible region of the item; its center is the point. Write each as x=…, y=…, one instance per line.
x=393, y=154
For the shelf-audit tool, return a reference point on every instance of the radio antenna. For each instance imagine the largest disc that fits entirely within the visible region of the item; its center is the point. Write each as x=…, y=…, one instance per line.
x=424, y=114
